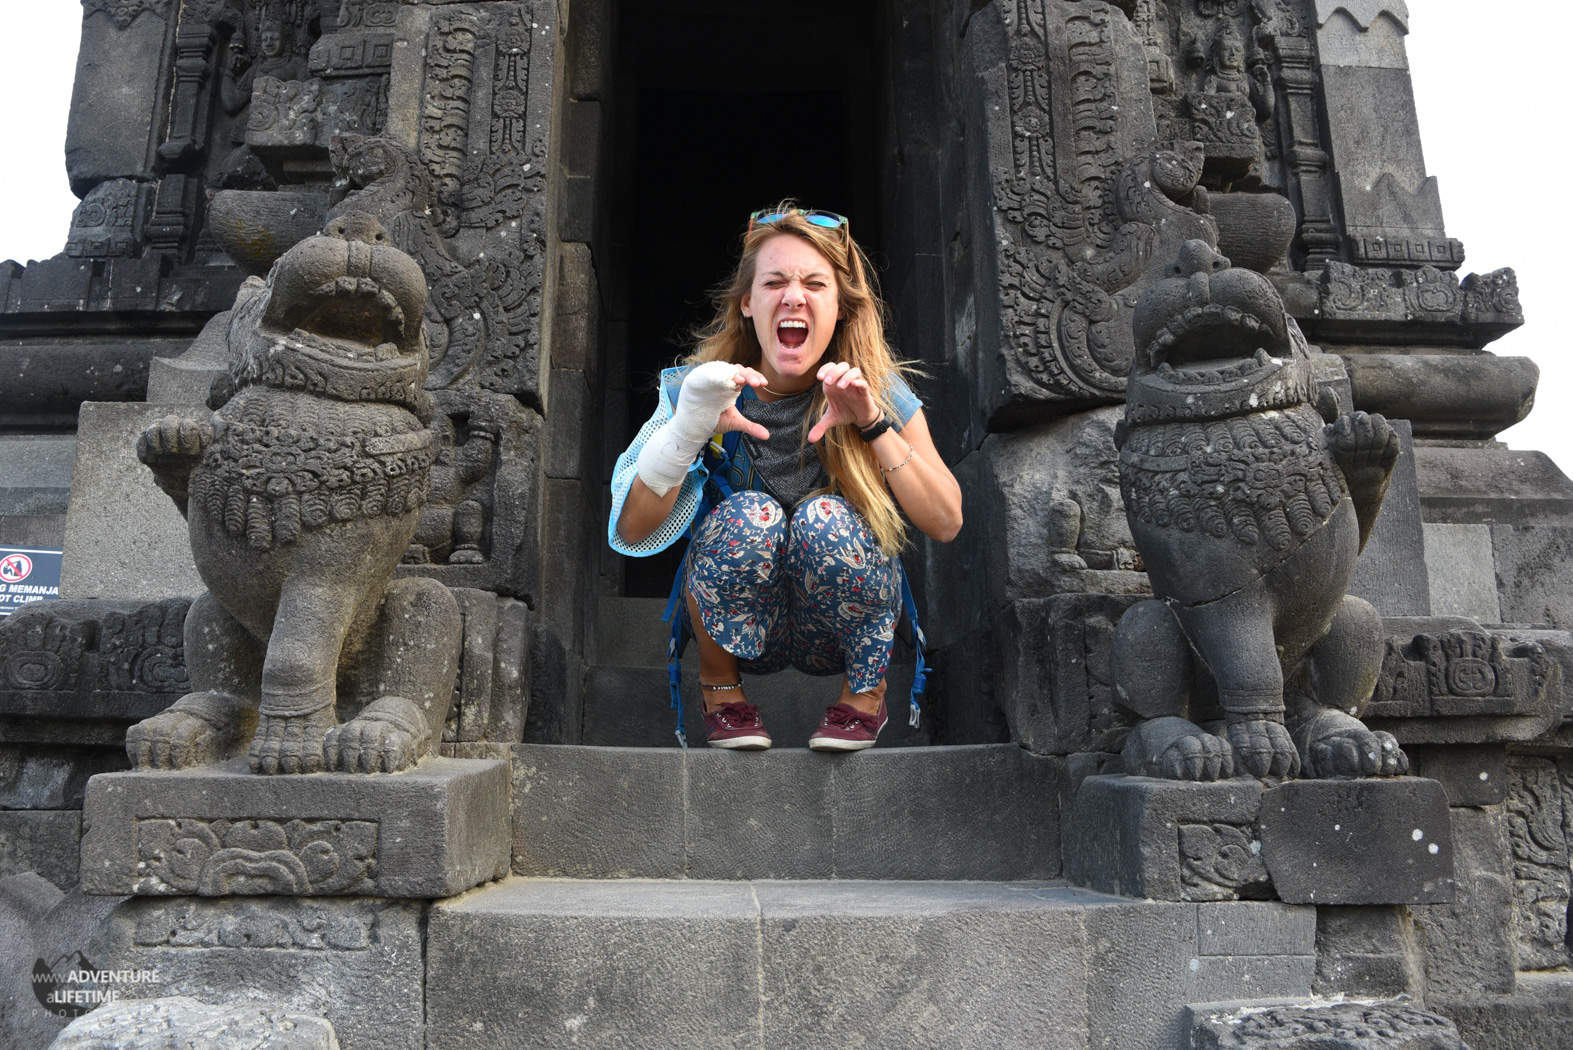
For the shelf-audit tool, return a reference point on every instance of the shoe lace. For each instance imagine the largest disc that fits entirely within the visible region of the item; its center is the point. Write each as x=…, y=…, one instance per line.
x=737, y=714
x=844, y=716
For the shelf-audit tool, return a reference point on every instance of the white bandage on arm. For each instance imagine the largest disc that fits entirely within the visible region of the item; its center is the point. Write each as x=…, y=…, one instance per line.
x=707, y=391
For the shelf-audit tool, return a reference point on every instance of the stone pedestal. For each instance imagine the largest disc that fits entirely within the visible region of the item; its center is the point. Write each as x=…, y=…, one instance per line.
x=220, y=831
x=1378, y=841
x=1384, y=841
x=1166, y=839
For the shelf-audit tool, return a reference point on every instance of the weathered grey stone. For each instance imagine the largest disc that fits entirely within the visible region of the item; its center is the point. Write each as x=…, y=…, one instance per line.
x=40, y=926
x=760, y=820
x=42, y=777
x=111, y=130
x=920, y=965
x=1445, y=395
x=982, y=812
x=432, y=831
x=1532, y=580
x=153, y=1023
x=35, y=476
x=1537, y=1014
x=1471, y=944
x=1464, y=485
x=1385, y=841
x=1461, y=571
x=1055, y=681
x=1168, y=840
x=359, y=963
x=635, y=963
x=42, y=840
x=1255, y=928
x=1327, y=1025
x=1471, y=776
x=1368, y=951
x=598, y=812
x=1391, y=572
x=124, y=539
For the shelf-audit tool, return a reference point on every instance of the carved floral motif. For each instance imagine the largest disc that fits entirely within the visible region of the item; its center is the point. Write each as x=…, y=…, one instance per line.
x=214, y=858
x=1221, y=862
x=1538, y=836
x=124, y=12
x=296, y=924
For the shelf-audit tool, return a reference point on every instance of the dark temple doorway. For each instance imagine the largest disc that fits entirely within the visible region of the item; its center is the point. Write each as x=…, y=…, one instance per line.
x=725, y=108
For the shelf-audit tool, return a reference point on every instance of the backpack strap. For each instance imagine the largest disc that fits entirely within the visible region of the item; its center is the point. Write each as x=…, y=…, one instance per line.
x=920, y=668
x=719, y=465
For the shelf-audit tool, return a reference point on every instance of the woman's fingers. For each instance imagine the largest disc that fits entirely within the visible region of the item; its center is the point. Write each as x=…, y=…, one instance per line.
x=752, y=376
x=732, y=419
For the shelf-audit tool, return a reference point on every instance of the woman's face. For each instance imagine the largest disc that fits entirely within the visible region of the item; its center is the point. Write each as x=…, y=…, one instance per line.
x=794, y=305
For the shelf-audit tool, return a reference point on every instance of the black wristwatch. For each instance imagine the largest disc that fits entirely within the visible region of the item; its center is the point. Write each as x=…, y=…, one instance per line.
x=876, y=428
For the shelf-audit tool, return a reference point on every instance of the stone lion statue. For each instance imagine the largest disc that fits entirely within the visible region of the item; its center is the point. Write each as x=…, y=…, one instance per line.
x=302, y=490
x=1249, y=496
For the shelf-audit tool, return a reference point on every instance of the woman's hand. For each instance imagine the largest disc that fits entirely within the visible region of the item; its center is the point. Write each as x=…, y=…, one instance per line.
x=848, y=399
x=732, y=419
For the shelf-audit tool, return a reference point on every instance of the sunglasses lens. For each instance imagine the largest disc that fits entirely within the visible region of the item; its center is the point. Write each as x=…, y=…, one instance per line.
x=765, y=218
x=830, y=222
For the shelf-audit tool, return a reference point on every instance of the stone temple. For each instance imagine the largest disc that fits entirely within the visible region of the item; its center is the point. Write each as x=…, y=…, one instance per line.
x=1247, y=719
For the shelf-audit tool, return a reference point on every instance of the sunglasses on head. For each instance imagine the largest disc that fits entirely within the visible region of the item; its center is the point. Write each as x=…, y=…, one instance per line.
x=827, y=219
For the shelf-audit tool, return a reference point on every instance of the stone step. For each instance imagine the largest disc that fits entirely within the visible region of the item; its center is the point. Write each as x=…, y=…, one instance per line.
x=659, y=964
x=986, y=811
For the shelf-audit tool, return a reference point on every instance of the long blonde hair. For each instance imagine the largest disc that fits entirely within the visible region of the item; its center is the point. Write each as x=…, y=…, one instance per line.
x=859, y=339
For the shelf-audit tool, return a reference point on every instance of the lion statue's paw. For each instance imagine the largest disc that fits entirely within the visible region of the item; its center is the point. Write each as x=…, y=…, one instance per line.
x=1174, y=749
x=388, y=735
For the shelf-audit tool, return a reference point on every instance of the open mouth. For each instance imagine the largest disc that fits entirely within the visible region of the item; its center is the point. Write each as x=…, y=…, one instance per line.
x=792, y=333
x=350, y=316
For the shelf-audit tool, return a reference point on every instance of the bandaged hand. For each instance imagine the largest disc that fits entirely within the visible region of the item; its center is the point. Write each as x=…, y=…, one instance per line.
x=707, y=392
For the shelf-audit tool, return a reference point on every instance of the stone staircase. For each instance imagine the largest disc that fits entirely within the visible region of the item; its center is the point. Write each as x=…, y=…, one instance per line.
x=899, y=897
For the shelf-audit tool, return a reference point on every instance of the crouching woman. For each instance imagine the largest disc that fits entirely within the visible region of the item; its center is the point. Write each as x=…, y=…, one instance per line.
x=791, y=445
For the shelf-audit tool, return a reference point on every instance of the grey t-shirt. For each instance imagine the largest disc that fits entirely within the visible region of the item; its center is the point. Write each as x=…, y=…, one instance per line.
x=788, y=468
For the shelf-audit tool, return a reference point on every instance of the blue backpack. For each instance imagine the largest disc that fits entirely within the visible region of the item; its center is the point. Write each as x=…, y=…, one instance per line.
x=720, y=461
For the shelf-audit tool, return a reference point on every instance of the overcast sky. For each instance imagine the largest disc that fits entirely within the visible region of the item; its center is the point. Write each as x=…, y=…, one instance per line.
x=1487, y=85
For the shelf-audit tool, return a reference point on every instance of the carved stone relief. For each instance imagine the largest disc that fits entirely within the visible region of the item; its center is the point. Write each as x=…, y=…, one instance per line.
x=1222, y=862
x=217, y=858
x=288, y=924
x=1538, y=832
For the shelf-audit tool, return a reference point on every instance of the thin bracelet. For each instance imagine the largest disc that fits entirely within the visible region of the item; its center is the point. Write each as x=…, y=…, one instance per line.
x=891, y=470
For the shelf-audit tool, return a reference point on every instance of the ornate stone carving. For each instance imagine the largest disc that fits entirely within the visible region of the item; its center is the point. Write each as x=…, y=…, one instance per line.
x=284, y=112
x=220, y=858
x=109, y=220
x=124, y=12
x=1220, y=862
x=1249, y=496
x=41, y=654
x=289, y=924
x=483, y=313
x=1327, y=1026
x=1538, y=835
x=1377, y=299
x=302, y=491
x=145, y=651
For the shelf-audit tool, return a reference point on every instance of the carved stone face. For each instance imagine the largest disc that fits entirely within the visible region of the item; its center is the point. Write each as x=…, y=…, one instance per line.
x=1203, y=316
x=272, y=41
x=794, y=304
x=1229, y=53
x=347, y=292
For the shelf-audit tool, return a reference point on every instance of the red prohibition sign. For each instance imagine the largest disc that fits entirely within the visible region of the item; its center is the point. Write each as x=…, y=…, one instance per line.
x=14, y=568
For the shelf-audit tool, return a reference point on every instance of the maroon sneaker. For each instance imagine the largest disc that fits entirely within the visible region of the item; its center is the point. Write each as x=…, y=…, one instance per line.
x=845, y=728
x=738, y=727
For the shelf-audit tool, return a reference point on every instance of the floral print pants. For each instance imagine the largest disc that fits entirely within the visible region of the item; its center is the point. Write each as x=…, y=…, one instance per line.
x=812, y=591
